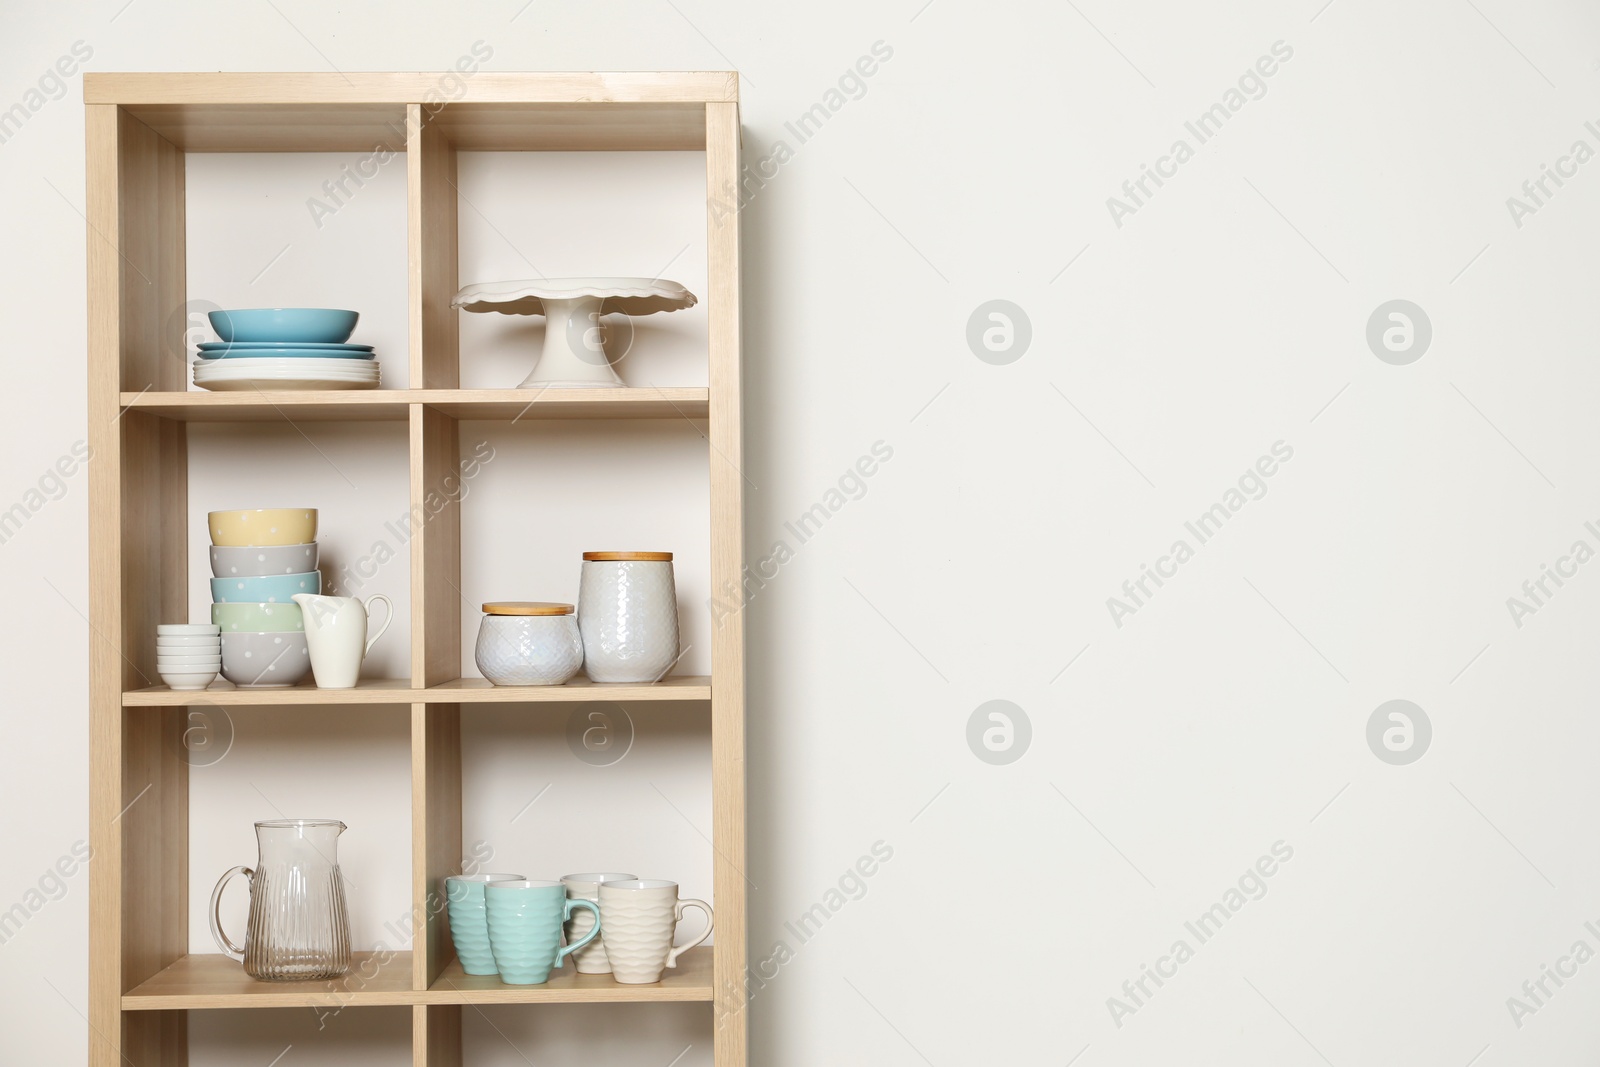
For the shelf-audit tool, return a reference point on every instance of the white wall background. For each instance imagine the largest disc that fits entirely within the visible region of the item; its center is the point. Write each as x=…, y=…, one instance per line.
x=1166, y=756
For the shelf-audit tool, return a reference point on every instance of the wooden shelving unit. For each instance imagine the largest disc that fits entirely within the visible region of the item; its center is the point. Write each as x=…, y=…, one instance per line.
x=144, y=981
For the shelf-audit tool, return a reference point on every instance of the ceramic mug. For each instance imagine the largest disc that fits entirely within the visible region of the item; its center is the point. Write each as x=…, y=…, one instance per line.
x=525, y=920
x=336, y=631
x=592, y=959
x=640, y=916
x=469, y=922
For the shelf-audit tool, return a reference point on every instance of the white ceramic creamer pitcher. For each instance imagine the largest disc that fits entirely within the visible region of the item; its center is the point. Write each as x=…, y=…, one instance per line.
x=336, y=634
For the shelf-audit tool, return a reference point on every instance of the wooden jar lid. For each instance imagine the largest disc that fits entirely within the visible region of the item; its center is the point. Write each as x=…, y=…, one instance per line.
x=526, y=607
x=613, y=557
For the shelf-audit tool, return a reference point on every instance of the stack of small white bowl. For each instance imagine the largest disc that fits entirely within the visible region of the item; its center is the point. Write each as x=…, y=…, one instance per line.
x=285, y=348
x=188, y=656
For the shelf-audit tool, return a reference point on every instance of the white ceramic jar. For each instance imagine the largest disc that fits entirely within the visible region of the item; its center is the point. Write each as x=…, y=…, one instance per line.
x=628, y=615
x=528, y=643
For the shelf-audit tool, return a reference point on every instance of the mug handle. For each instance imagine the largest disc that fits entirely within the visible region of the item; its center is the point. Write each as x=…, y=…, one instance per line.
x=594, y=931
x=677, y=914
x=368, y=607
x=217, y=933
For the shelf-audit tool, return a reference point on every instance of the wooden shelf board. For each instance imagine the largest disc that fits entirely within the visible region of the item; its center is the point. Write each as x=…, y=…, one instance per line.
x=602, y=127
x=690, y=980
x=225, y=694
x=399, y=691
x=394, y=404
x=278, y=94
x=212, y=980
x=480, y=691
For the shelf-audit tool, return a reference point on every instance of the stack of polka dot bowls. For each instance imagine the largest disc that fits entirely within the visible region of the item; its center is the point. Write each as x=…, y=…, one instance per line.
x=260, y=558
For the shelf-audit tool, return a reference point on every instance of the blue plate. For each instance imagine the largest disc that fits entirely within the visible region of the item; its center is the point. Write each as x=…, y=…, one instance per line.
x=239, y=349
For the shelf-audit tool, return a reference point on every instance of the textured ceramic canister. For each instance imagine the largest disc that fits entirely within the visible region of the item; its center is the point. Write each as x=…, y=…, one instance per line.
x=592, y=958
x=628, y=615
x=640, y=918
x=528, y=643
x=525, y=928
x=469, y=920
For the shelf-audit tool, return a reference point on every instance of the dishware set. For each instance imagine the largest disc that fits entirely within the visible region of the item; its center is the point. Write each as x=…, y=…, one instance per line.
x=523, y=929
x=261, y=558
x=625, y=629
x=285, y=348
x=188, y=656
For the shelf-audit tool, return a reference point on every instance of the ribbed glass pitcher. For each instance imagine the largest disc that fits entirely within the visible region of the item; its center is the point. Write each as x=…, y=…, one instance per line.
x=299, y=928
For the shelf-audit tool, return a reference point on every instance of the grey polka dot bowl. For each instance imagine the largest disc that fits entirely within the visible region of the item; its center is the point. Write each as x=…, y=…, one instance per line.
x=264, y=660
x=254, y=561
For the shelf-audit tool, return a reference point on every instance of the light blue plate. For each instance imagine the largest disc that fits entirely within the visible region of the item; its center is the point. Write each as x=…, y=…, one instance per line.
x=345, y=347
x=240, y=350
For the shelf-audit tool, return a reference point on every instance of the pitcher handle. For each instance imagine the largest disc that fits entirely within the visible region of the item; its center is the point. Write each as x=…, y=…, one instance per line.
x=594, y=931
x=368, y=606
x=677, y=913
x=217, y=933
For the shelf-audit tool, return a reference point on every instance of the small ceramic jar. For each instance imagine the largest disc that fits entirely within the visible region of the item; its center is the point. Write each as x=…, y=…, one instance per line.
x=628, y=615
x=528, y=643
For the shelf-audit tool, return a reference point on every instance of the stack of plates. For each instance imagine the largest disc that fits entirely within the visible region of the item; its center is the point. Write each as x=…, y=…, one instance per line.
x=315, y=354
x=313, y=370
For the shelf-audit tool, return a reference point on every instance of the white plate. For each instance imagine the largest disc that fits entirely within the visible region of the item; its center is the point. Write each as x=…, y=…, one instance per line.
x=225, y=385
x=267, y=376
x=328, y=374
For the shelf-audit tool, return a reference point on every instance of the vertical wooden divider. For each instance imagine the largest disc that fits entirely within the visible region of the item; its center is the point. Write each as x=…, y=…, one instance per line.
x=436, y=1035
x=431, y=225
x=435, y=573
x=436, y=830
x=138, y=896
x=730, y=1021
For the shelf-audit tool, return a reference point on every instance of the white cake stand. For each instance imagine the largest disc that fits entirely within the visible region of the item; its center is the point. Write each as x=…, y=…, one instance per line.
x=574, y=355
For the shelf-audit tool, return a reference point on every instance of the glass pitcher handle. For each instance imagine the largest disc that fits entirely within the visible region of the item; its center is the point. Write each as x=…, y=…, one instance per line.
x=217, y=934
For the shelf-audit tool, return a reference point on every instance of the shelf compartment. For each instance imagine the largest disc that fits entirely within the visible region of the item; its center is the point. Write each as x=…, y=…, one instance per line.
x=393, y=405
x=689, y=981
x=399, y=691
x=212, y=980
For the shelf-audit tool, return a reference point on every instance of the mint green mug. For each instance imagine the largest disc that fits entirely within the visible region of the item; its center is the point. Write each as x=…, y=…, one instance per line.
x=469, y=927
x=525, y=928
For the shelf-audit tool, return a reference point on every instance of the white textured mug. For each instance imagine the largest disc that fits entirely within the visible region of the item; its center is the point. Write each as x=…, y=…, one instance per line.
x=336, y=633
x=591, y=958
x=639, y=918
